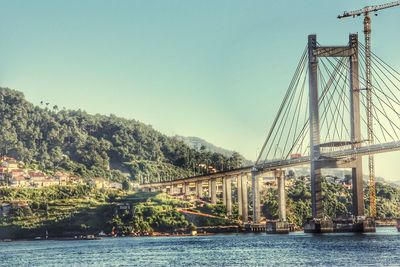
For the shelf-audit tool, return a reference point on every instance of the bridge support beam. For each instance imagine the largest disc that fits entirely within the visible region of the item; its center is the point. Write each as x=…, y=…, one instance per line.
x=228, y=194
x=186, y=189
x=213, y=191
x=280, y=175
x=209, y=189
x=256, y=197
x=245, y=205
x=224, y=190
x=317, y=163
x=239, y=194
x=199, y=189
x=357, y=175
x=315, y=151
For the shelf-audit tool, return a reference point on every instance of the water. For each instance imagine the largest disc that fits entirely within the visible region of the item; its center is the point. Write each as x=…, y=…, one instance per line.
x=380, y=248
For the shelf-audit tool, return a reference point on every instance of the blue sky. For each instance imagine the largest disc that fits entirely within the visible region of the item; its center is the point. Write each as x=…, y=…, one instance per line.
x=213, y=69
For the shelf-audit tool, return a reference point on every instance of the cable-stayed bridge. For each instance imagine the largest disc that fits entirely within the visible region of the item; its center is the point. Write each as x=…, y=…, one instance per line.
x=322, y=121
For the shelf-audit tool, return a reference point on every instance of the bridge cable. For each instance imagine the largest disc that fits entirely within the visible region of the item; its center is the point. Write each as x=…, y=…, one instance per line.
x=283, y=120
x=281, y=107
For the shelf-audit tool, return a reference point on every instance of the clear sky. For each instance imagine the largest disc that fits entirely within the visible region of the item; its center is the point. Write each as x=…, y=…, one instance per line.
x=216, y=69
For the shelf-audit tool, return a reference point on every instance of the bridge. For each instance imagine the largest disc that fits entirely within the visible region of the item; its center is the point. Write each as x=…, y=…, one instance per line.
x=328, y=127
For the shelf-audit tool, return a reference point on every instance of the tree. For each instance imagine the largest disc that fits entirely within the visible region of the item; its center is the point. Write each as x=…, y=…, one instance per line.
x=126, y=185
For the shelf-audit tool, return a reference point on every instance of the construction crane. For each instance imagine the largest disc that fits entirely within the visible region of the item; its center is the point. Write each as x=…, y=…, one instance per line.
x=367, y=32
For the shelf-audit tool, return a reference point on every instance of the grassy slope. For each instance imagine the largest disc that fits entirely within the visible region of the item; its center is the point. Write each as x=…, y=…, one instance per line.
x=68, y=211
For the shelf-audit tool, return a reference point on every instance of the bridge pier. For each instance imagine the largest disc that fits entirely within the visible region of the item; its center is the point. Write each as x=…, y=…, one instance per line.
x=239, y=194
x=213, y=191
x=280, y=175
x=199, y=189
x=256, y=197
x=281, y=226
x=209, y=189
x=245, y=206
x=224, y=190
x=228, y=194
x=318, y=224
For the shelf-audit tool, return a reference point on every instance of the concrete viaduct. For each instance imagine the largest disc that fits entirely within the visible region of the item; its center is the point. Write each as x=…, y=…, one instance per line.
x=219, y=185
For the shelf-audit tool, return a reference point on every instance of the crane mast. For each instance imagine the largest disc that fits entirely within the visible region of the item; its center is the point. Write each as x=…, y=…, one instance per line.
x=367, y=33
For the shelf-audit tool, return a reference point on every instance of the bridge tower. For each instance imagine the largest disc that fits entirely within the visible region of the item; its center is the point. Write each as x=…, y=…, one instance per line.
x=317, y=162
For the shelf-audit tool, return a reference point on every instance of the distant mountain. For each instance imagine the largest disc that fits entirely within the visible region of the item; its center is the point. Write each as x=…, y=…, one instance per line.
x=196, y=143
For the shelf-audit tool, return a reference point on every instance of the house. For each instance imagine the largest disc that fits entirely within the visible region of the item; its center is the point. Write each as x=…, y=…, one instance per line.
x=115, y=185
x=19, y=181
x=36, y=175
x=2, y=175
x=288, y=183
x=62, y=178
x=49, y=182
x=75, y=180
x=17, y=172
x=10, y=164
x=269, y=181
x=99, y=182
x=37, y=178
x=346, y=185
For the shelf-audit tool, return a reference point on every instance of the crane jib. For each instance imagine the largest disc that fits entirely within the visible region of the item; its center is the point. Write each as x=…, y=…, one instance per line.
x=368, y=9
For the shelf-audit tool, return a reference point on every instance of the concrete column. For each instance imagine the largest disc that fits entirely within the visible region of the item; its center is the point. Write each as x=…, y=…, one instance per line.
x=187, y=189
x=213, y=191
x=176, y=189
x=209, y=188
x=256, y=197
x=315, y=151
x=245, y=205
x=224, y=193
x=228, y=196
x=280, y=175
x=357, y=175
x=181, y=188
x=239, y=193
x=199, y=189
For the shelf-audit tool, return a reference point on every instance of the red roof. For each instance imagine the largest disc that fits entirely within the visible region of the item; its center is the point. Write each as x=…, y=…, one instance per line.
x=17, y=170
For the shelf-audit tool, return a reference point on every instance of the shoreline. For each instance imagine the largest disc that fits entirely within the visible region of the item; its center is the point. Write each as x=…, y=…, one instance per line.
x=93, y=238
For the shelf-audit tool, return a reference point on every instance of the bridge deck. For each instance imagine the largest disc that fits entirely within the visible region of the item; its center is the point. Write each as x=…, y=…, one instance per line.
x=284, y=163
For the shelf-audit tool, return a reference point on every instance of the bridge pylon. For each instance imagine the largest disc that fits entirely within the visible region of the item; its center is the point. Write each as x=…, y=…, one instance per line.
x=317, y=162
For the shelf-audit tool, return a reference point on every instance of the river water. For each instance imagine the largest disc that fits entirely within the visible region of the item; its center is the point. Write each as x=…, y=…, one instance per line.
x=295, y=249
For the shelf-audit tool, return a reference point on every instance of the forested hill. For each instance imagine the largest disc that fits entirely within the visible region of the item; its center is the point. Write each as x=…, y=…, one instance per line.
x=198, y=144
x=96, y=145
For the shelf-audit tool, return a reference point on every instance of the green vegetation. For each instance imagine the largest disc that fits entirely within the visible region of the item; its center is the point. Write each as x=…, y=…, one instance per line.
x=66, y=211
x=81, y=210
x=336, y=201
x=61, y=210
x=96, y=145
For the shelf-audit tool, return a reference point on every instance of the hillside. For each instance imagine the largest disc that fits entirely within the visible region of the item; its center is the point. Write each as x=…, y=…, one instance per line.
x=68, y=211
x=80, y=209
x=95, y=145
x=198, y=144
